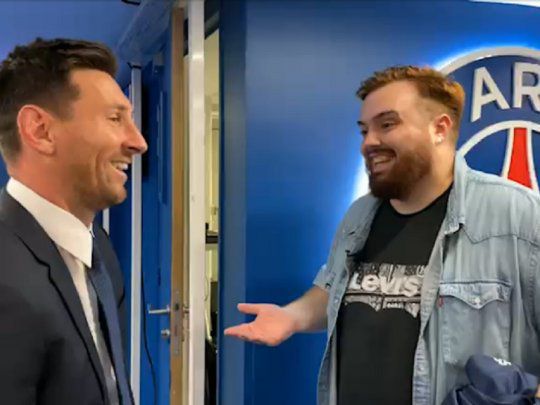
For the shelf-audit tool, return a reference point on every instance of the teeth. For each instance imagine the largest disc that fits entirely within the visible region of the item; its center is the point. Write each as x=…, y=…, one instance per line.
x=380, y=159
x=121, y=166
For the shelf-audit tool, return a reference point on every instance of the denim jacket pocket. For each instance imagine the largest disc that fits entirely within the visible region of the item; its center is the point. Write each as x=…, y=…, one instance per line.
x=475, y=319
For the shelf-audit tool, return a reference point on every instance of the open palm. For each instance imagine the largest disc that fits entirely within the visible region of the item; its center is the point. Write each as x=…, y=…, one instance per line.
x=272, y=325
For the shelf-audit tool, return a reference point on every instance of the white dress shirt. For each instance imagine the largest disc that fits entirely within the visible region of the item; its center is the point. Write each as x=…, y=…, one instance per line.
x=74, y=242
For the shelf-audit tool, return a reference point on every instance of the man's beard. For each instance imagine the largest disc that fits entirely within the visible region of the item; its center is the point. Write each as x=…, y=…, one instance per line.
x=408, y=168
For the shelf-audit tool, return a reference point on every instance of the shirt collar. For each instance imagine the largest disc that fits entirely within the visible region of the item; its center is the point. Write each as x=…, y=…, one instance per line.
x=66, y=230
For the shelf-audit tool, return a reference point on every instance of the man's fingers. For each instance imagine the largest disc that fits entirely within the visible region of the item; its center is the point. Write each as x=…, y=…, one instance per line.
x=240, y=331
x=244, y=332
x=251, y=309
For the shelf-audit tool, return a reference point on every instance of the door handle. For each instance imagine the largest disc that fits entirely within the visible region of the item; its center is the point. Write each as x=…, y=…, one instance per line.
x=164, y=333
x=176, y=314
x=159, y=311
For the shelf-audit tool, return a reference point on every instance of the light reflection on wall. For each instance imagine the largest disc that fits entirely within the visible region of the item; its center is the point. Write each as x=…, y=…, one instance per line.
x=442, y=63
x=362, y=181
x=529, y=3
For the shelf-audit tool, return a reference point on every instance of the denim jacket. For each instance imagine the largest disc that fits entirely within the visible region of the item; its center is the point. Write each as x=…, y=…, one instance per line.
x=481, y=290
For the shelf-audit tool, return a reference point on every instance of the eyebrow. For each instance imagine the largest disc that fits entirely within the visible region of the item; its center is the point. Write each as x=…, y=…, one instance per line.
x=381, y=115
x=120, y=107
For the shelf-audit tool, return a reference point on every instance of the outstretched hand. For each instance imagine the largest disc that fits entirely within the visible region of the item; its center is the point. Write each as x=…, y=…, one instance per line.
x=272, y=325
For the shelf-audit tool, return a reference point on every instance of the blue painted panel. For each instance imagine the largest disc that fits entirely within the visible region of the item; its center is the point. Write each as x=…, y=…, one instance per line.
x=232, y=245
x=165, y=222
x=291, y=148
x=120, y=234
x=156, y=231
x=157, y=218
x=156, y=227
x=151, y=234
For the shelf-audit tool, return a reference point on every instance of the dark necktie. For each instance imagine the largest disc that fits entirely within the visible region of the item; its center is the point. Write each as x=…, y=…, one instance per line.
x=105, y=294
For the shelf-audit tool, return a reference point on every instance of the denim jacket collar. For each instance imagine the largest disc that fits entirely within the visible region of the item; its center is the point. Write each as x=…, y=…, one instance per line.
x=456, y=211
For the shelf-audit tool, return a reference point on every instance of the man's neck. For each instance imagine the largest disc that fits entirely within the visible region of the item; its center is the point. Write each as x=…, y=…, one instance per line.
x=55, y=194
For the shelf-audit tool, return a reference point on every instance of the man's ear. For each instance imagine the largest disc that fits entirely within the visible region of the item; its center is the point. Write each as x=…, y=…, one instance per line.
x=442, y=128
x=34, y=124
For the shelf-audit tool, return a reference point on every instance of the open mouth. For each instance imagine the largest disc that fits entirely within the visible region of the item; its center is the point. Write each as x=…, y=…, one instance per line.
x=121, y=167
x=379, y=163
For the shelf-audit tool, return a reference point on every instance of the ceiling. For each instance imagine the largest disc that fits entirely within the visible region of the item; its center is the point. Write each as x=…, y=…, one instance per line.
x=97, y=20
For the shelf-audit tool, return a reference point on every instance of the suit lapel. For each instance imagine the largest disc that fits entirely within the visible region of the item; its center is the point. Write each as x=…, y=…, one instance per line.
x=38, y=242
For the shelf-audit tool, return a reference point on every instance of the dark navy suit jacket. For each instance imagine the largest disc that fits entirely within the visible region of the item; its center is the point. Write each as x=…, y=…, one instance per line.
x=47, y=354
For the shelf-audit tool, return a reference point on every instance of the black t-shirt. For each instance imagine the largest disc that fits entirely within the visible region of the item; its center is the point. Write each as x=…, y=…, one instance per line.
x=378, y=323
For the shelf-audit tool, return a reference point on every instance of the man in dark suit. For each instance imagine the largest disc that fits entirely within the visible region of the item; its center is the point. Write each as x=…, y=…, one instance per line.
x=67, y=137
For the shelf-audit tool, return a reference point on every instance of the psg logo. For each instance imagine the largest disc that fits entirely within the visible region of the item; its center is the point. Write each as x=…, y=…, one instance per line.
x=500, y=129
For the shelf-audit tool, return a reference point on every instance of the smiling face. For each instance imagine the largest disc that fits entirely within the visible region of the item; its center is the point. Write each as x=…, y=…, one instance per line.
x=397, y=146
x=97, y=142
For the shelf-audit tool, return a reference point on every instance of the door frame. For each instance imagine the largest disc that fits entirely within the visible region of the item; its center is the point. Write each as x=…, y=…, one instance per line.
x=197, y=203
x=188, y=242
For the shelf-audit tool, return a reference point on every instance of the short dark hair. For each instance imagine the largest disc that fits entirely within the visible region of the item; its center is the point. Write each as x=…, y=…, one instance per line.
x=39, y=73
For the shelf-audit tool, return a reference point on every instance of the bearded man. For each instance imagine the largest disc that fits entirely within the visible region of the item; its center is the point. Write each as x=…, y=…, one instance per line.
x=438, y=263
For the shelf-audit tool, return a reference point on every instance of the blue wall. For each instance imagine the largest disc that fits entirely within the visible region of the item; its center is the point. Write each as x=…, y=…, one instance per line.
x=291, y=149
